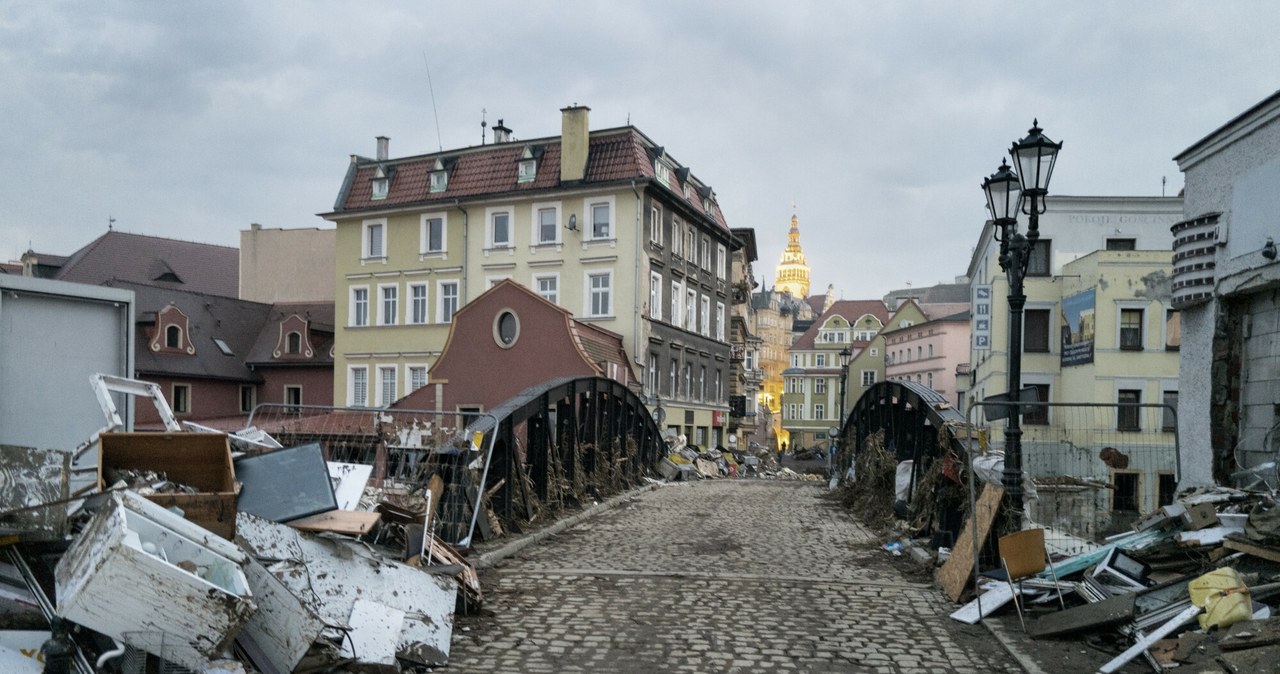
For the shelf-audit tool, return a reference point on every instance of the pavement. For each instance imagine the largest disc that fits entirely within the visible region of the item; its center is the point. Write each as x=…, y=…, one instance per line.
x=715, y=576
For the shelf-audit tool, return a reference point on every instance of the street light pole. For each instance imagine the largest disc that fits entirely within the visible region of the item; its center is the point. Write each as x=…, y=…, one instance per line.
x=1007, y=194
x=845, y=356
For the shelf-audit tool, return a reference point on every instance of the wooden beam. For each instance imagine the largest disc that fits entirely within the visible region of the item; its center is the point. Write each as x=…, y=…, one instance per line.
x=955, y=573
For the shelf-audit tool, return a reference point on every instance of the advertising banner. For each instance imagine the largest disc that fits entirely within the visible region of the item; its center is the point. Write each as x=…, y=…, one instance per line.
x=1078, y=317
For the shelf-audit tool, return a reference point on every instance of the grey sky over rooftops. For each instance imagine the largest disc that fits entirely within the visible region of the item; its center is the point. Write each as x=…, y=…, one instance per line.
x=878, y=120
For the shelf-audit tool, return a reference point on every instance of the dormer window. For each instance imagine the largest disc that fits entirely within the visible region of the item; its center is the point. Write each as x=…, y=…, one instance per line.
x=439, y=177
x=661, y=171
x=173, y=337
x=381, y=183
x=527, y=169
x=172, y=332
x=293, y=342
x=223, y=346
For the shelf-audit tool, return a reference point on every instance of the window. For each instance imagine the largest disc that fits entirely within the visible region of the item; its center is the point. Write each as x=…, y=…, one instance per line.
x=358, y=395
x=548, y=225
x=1131, y=329
x=704, y=315
x=1169, y=415
x=721, y=262
x=602, y=220
x=1172, y=330
x=819, y=411
x=929, y=379
x=499, y=228
x=688, y=380
x=1039, y=414
x=1038, y=261
x=432, y=235
x=672, y=390
x=506, y=329
x=248, y=398
x=447, y=304
x=720, y=321
x=651, y=375
x=702, y=382
x=417, y=377
x=1122, y=244
x=677, y=237
x=439, y=181
x=873, y=351
x=1035, y=333
x=182, y=399
x=677, y=310
x=690, y=307
x=374, y=248
x=599, y=285
x=173, y=337
x=1127, y=413
x=794, y=385
x=381, y=185
x=386, y=385
x=690, y=244
x=417, y=303
x=293, y=395
x=1168, y=488
x=359, y=307
x=655, y=295
x=293, y=342
x=820, y=385
x=526, y=171
x=1125, y=496
x=389, y=306
x=655, y=225
x=548, y=287
x=868, y=377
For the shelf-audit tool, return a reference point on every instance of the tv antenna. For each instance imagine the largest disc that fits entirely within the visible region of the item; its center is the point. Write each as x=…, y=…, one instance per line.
x=483, y=124
x=110, y=223
x=432, y=90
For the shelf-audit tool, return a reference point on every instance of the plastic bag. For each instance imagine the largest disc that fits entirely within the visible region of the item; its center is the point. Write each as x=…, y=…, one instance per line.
x=1223, y=596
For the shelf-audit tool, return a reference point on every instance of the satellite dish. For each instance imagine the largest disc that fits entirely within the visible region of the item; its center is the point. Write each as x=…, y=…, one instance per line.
x=573, y=223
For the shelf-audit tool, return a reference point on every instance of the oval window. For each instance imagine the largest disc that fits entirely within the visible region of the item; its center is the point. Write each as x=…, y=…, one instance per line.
x=506, y=328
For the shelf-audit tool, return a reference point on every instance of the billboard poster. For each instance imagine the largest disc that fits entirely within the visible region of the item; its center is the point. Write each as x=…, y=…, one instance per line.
x=1078, y=320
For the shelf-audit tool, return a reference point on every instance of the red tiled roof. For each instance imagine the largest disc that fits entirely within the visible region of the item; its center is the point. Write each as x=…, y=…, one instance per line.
x=156, y=261
x=614, y=155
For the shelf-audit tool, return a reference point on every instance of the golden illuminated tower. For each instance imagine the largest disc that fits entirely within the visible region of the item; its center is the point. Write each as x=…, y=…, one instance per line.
x=793, y=273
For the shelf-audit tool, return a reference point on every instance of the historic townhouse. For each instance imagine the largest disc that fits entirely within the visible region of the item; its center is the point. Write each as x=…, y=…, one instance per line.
x=606, y=224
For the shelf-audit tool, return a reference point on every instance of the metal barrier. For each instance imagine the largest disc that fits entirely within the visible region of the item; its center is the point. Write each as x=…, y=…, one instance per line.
x=1091, y=469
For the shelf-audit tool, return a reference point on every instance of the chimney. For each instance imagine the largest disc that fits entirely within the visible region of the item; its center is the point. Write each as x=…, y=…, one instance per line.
x=382, y=147
x=501, y=134
x=574, y=136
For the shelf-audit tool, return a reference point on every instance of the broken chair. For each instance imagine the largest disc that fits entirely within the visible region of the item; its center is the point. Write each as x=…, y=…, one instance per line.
x=1023, y=555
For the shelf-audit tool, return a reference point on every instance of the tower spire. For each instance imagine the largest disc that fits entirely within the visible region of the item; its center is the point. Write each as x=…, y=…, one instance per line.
x=793, y=271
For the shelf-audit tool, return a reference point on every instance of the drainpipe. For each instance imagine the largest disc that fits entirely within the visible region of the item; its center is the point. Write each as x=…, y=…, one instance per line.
x=466, y=233
x=636, y=356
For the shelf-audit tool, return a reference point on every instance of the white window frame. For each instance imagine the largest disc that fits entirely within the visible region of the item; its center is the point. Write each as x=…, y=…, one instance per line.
x=677, y=236
x=677, y=304
x=655, y=295
x=424, y=234
x=490, y=215
x=536, y=223
x=820, y=386
x=720, y=320
x=355, y=317
x=418, y=309
x=437, y=181
x=590, y=292
x=721, y=262
x=285, y=394
x=588, y=211
x=705, y=251
x=691, y=310
x=655, y=224
x=691, y=243
x=819, y=411
x=383, y=380
x=353, y=400
x=383, y=318
x=367, y=253
x=704, y=315
x=441, y=299
x=181, y=406
x=537, y=287
x=527, y=171
x=867, y=378
x=409, y=369
x=1133, y=305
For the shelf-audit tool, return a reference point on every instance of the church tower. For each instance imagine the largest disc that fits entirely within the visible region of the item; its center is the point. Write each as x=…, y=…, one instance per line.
x=793, y=273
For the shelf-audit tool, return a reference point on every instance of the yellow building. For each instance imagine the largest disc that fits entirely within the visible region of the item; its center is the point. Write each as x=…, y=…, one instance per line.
x=793, y=272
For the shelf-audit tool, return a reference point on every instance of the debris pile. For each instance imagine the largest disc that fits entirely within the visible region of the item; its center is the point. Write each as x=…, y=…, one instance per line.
x=181, y=554
x=1195, y=583
x=689, y=462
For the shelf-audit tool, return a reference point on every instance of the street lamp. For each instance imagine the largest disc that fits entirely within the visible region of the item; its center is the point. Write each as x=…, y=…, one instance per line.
x=845, y=356
x=1007, y=194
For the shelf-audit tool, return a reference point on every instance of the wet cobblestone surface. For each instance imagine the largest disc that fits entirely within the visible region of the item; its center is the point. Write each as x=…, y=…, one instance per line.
x=717, y=576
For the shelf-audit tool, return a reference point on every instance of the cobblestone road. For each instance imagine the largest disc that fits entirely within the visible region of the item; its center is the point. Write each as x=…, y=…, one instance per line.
x=717, y=576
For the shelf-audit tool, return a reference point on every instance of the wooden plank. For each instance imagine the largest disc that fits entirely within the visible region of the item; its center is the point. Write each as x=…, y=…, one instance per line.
x=1105, y=613
x=435, y=487
x=1210, y=536
x=349, y=522
x=1249, y=547
x=958, y=569
x=996, y=594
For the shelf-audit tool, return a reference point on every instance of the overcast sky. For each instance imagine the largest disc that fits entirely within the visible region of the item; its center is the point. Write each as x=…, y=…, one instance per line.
x=878, y=120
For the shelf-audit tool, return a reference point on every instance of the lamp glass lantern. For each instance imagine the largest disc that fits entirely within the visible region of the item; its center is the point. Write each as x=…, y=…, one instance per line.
x=845, y=356
x=1004, y=193
x=1035, y=156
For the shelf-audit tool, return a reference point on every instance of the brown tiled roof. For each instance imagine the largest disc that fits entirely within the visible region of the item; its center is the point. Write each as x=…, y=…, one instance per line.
x=14, y=268
x=614, y=155
x=851, y=310
x=156, y=261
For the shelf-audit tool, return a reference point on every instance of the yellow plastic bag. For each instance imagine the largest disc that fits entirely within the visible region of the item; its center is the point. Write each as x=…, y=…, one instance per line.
x=1224, y=597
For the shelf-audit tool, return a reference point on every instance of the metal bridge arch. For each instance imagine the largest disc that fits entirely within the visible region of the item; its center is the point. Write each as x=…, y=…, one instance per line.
x=911, y=416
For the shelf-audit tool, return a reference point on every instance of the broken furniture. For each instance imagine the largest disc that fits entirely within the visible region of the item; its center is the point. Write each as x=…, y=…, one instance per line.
x=145, y=576
x=199, y=460
x=1023, y=555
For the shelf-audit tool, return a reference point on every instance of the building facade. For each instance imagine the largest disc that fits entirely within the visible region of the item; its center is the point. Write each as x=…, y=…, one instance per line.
x=932, y=352
x=793, y=272
x=1225, y=281
x=745, y=422
x=606, y=224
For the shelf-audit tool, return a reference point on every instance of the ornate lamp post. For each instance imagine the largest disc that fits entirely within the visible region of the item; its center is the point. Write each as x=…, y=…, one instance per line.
x=845, y=356
x=1007, y=194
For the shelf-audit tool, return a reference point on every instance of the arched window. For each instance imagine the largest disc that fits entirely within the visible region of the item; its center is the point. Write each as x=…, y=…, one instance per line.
x=293, y=342
x=173, y=337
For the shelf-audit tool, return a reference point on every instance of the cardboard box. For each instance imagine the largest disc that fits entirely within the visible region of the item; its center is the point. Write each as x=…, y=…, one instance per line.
x=200, y=460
